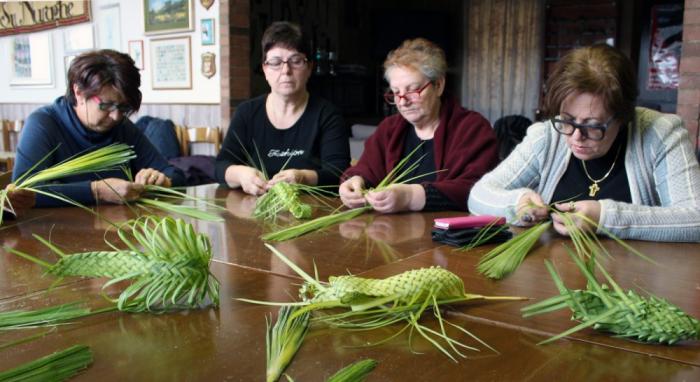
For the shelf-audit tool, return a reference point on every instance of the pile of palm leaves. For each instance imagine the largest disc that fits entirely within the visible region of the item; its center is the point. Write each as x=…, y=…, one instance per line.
x=103, y=159
x=166, y=261
x=399, y=174
x=58, y=366
x=611, y=309
x=377, y=303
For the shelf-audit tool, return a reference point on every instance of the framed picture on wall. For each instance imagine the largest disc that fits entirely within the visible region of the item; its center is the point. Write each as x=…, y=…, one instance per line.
x=167, y=16
x=136, y=52
x=109, y=28
x=208, y=32
x=77, y=39
x=31, y=60
x=171, y=63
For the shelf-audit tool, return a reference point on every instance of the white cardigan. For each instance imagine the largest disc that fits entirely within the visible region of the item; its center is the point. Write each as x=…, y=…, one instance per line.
x=661, y=167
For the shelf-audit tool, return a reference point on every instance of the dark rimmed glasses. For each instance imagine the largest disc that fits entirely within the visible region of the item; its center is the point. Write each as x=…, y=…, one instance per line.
x=411, y=96
x=112, y=106
x=594, y=132
x=294, y=62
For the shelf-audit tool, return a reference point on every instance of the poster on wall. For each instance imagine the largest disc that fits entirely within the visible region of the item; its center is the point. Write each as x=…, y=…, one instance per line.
x=167, y=16
x=31, y=60
x=109, y=28
x=665, y=46
x=171, y=63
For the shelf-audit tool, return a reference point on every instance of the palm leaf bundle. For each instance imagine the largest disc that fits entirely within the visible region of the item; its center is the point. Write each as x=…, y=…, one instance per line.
x=399, y=174
x=377, y=303
x=58, y=366
x=171, y=201
x=19, y=319
x=355, y=372
x=609, y=308
x=103, y=159
x=286, y=197
x=507, y=257
x=166, y=261
x=284, y=339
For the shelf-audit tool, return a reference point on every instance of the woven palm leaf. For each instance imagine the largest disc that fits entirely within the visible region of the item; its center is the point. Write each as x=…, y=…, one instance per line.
x=377, y=303
x=610, y=309
x=281, y=197
x=167, y=263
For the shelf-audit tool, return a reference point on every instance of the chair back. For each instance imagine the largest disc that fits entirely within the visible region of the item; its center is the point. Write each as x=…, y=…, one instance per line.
x=187, y=136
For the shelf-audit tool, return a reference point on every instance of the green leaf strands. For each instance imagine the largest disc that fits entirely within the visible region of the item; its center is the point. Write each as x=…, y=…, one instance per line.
x=397, y=175
x=166, y=261
x=355, y=372
x=58, y=366
x=106, y=158
x=377, y=303
x=20, y=319
x=507, y=257
x=611, y=309
x=284, y=339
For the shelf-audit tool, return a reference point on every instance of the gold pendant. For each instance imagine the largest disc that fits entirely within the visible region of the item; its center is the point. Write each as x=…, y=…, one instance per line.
x=593, y=189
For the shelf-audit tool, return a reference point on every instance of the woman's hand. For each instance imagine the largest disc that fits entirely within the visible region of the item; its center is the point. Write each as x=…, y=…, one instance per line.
x=20, y=201
x=531, y=209
x=148, y=176
x=115, y=190
x=588, y=208
x=397, y=197
x=351, y=192
x=249, y=179
x=309, y=177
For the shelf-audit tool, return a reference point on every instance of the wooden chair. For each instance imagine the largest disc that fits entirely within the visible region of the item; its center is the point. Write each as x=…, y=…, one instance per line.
x=5, y=179
x=190, y=135
x=10, y=136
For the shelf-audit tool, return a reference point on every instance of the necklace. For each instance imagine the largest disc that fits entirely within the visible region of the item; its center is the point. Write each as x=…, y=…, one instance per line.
x=594, y=188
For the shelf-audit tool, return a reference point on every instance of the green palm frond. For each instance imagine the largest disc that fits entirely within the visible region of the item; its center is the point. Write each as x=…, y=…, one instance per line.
x=166, y=261
x=611, y=309
x=58, y=366
x=377, y=303
x=19, y=319
x=286, y=197
x=355, y=372
x=507, y=257
x=103, y=159
x=284, y=339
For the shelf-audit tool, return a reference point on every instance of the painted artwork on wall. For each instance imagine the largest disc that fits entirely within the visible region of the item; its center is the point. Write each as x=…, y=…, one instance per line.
x=109, y=28
x=167, y=16
x=136, y=52
x=171, y=63
x=31, y=60
x=208, y=32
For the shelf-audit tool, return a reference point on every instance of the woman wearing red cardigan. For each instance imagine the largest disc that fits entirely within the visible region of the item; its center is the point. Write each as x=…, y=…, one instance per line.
x=457, y=146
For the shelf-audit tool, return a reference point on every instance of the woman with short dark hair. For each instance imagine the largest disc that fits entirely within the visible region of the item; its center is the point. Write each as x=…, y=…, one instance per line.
x=630, y=170
x=294, y=136
x=103, y=90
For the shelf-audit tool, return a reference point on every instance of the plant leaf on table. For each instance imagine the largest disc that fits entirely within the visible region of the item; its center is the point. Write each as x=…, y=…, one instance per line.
x=378, y=303
x=284, y=339
x=58, y=366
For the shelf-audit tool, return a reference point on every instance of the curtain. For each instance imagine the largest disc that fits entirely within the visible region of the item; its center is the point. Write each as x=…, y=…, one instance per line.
x=503, y=57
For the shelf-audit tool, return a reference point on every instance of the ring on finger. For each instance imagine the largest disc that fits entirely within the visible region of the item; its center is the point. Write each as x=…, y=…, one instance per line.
x=527, y=218
x=572, y=206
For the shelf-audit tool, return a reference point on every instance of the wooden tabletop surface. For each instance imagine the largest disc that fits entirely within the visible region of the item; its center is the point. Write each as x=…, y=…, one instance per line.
x=228, y=342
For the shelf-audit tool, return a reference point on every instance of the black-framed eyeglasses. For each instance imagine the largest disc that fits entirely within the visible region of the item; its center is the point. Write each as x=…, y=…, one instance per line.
x=594, y=132
x=294, y=62
x=411, y=96
x=112, y=106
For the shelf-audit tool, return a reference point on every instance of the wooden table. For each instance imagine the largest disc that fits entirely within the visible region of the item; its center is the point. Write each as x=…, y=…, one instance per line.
x=228, y=342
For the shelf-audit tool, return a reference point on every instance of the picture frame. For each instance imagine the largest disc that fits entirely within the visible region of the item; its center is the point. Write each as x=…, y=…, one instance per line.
x=109, y=27
x=167, y=16
x=171, y=62
x=78, y=39
x=207, y=32
x=136, y=52
x=31, y=60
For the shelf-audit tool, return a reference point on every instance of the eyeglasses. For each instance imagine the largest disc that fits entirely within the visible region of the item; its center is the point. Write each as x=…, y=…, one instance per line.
x=112, y=106
x=592, y=132
x=294, y=62
x=411, y=96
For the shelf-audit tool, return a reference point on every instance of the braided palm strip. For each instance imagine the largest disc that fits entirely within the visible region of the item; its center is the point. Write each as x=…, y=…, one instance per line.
x=410, y=285
x=652, y=319
x=100, y=264
x=281, y=197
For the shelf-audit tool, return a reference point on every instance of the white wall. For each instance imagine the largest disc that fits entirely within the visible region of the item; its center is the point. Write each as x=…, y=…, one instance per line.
x=204, y=90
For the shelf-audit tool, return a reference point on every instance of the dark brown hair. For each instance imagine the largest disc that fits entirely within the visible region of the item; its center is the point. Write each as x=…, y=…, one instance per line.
x=598, y=69
x=94, y=70
x=285, y=35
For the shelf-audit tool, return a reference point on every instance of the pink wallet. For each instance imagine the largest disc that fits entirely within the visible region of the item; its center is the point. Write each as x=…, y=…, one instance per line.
x=460, y=222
